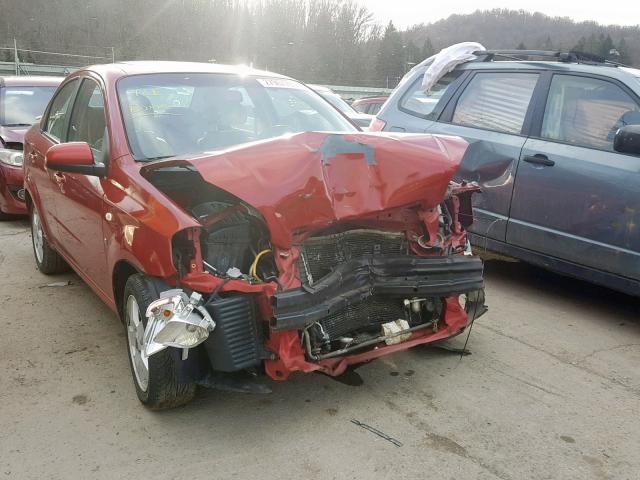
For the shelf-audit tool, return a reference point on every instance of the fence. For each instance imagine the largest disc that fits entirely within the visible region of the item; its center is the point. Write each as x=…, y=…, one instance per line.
x=47, y=63
x=25, y=61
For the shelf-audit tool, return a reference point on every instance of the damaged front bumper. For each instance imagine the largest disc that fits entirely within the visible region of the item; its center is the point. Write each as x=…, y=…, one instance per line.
x=366, y=295
x=358, y=280
x=12, y=193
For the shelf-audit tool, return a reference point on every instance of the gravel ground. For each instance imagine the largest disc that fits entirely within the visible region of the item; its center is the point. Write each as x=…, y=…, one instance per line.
x=551, y=391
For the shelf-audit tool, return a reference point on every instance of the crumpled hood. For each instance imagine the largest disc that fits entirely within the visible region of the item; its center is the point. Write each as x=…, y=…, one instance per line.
x=310, y=180
x=13, y=134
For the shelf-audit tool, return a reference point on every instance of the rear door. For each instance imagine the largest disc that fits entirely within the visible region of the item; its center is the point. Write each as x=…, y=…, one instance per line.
x=491, y=111
x=79, y=201
x=575, y=198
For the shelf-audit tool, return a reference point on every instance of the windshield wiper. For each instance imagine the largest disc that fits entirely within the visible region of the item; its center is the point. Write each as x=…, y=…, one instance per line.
x=17, y=124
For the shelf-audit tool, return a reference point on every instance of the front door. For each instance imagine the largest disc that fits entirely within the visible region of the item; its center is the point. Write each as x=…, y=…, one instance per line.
x=575, y=198
x=45, y=181
x=79, y=203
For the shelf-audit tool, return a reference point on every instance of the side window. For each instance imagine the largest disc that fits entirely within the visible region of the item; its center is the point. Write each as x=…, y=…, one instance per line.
x=587, y=111
x=58, y=117
x=87, y=119
x=496, y=101
x=420, y=103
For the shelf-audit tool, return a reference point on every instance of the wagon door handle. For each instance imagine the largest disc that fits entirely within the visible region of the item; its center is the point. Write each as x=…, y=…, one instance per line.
x=539, y=159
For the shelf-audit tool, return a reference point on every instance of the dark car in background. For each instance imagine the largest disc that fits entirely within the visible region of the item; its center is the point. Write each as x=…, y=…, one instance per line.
x=554, y=146
x=22, y=102
x=369, y=105
x=362, y=120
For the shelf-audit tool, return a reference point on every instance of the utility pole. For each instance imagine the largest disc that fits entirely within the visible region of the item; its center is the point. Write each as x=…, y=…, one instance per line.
x=113, y=55
x=15, y=55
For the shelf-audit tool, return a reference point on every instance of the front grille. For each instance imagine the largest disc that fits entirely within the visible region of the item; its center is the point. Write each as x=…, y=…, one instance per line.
x=319, y=255
x=365, y=315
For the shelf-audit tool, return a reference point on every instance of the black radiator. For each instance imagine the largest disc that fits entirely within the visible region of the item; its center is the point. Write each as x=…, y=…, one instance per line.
x=372, y=312
x=236, y=342
x=320, y=255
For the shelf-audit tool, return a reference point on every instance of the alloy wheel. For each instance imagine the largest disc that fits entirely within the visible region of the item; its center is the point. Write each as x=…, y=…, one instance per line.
x=38, y=235
x=135, y=334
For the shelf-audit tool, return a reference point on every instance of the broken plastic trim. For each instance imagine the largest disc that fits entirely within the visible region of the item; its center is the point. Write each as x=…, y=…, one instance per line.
x=357, y=280
x=176, y=320
x=373, y=341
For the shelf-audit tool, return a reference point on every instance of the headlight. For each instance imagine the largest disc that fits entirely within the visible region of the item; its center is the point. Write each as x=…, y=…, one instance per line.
x=175, y=320
x=182, y=333
x=11, y=157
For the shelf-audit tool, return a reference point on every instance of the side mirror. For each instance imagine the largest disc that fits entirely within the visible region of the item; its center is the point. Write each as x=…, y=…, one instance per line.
x=627, y=140
x=74, y=157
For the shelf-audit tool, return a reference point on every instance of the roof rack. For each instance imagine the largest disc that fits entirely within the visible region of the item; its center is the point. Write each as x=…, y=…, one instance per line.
x=565, y=57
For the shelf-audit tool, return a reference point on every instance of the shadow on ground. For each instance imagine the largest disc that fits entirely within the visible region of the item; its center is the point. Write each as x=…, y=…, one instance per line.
x=521, y=277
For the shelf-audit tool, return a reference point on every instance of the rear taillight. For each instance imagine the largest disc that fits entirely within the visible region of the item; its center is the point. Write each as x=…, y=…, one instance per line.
x=377, y=125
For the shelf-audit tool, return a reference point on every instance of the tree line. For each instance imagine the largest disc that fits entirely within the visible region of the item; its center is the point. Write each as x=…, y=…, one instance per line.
x=320, y=41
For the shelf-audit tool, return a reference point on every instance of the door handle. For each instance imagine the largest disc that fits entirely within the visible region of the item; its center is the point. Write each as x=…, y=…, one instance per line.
x=59, y=177
x=539, y=159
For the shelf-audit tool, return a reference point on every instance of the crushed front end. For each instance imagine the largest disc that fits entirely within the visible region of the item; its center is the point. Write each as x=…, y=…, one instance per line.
x=350, y=248
x=367, y=292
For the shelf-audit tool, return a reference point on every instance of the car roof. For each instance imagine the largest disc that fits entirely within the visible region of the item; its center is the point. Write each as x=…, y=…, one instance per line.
x=123, y=69
x=605, y=69
x=30, y=81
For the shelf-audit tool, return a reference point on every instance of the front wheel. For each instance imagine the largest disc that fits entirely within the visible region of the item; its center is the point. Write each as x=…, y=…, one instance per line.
x=48, y=261
x=155, y=377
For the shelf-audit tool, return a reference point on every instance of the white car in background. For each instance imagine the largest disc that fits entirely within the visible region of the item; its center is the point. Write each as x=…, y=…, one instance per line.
x=362, y=120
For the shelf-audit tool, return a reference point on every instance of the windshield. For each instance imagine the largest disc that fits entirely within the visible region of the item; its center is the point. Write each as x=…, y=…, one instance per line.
x=169, y=114
x=23, y=106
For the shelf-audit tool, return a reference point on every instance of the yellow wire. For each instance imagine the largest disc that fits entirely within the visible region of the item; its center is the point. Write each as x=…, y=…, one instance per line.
x=253, y=270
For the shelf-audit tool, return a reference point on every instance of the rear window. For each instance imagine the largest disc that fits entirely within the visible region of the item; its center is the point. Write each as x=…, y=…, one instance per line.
x=422, y=104
x=361, y=107
x=374, y=108
x=496, y=101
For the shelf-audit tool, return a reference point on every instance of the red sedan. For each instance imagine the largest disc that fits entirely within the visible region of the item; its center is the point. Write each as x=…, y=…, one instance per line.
x=240, y=226
x=22, y=101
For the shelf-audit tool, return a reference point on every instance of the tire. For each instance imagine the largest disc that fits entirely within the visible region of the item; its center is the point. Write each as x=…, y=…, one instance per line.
x=48, y=261
x=161, y=389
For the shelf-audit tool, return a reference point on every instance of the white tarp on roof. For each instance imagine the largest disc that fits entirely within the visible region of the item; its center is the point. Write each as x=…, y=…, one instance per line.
x=446, y=60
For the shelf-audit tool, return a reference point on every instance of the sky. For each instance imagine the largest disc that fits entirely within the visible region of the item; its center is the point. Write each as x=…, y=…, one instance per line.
x=409, y=12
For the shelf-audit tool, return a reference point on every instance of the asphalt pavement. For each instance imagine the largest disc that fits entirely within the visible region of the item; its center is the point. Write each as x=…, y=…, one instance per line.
x=550, y=391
